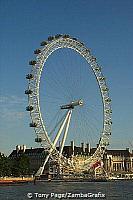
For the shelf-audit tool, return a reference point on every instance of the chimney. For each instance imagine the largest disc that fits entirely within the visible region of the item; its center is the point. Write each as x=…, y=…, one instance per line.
x=24, y=148
x=72, y=147
x=83, y=147
x=88, y=147
x=128, y=149
x=17, y=148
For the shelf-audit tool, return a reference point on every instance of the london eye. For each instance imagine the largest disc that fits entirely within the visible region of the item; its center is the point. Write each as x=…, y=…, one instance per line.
x=68, y=99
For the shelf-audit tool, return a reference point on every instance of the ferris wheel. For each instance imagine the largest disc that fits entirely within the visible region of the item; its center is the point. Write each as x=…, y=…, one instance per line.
x=48, y=48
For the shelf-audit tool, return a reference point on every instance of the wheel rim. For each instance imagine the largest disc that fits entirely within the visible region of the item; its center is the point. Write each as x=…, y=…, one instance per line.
x=34, y=85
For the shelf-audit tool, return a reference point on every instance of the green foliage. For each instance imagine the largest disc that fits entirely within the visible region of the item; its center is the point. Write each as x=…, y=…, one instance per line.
x=20, y=166
x=5, y=169
x=15, y=167
x=24, y=164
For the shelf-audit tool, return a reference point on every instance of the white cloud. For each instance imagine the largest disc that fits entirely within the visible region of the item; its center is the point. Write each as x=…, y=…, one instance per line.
x=12, y=115
x=12, y=107
x=12, y=99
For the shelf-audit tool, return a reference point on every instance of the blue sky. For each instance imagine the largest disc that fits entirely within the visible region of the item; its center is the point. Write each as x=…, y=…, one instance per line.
x=105, y=26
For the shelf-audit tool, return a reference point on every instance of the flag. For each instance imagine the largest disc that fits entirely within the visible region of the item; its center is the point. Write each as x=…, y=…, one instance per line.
x=97, y=164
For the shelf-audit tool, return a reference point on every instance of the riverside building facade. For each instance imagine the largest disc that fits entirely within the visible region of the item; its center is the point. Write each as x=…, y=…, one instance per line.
x=115, y=161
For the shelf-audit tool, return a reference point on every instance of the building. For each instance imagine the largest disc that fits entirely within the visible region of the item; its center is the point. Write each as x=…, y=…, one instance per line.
x=36, y=156
x=72, y=150
x=115, y=161
x=118, y=161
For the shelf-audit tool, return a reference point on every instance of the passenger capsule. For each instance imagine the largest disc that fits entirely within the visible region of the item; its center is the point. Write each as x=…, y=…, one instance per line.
x=105, y=89
x=108, y=122
x=29, y=76
x=108, y=111
x=38, y=139
x=101, y=78
x=58, y=36
x=50, y=38
x=37, y=51
x=107, y=133
x=66, y=36
x=33, y=124
x=29, y=108
x=93, y=59
x=108, y=100
x=32, y=62
x=76, y=40
x=87, y=51
x=81, y=43
x=43, y=43
x=28, y=91
x=97, y=69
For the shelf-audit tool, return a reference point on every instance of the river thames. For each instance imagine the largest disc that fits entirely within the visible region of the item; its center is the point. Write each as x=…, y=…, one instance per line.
x=117, y=190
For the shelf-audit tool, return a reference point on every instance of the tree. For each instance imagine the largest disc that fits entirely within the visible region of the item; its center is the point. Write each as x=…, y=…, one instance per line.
x=20, y=166
x=23, y=164
x=5, y=169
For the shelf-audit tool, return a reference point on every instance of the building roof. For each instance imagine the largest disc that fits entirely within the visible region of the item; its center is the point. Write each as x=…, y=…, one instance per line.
x=68, y=151
x=118, y=152
x=27, y=151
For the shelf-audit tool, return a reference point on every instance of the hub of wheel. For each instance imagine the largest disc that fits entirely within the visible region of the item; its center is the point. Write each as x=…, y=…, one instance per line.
x=72, y=104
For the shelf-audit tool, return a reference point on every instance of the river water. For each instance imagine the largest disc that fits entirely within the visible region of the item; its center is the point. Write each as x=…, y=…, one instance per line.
x=117, y=190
